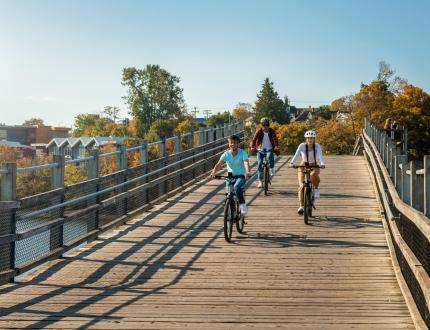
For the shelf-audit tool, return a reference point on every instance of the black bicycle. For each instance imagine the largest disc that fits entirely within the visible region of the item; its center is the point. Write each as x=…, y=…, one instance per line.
x=232, y=213
x=266, y=172
x=307, y=191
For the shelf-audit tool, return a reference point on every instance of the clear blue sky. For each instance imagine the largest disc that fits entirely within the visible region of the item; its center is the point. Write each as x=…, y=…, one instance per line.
x=62, y=58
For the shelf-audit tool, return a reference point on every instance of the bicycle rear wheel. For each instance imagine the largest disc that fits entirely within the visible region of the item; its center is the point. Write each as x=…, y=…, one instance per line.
x=240, y=221
x=228, y=219
x=306, y=203
x=266, y=180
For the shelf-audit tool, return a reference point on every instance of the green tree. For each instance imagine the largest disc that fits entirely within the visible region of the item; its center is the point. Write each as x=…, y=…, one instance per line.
x=219, y=119
x=111, y=113
x=186, y=126
x=269, y=105
x=153, y=93
x=160, y=128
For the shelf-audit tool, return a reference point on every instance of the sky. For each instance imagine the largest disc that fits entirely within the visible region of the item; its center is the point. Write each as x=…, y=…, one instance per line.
x=61, y=58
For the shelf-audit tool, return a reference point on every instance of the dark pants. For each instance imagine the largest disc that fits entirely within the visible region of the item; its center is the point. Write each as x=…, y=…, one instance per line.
x=238, y=187
x=260, y=157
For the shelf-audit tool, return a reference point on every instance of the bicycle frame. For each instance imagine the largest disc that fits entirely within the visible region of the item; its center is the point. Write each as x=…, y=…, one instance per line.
x=265, y=167
x=307, y=191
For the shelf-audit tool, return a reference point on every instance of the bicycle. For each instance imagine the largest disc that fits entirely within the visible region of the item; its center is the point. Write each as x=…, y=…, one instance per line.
x=307, y=191
x=266, y=172
x=232, y=213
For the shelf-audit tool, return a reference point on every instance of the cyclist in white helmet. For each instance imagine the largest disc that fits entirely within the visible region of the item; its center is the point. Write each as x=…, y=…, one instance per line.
x=310, y=152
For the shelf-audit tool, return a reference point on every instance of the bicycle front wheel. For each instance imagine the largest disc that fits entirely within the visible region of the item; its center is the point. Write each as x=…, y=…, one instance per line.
x=228, y=220
x=306, y=203
x=240, y=221
x=266, y=180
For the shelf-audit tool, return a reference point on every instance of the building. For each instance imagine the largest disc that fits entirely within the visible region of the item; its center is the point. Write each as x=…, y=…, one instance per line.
x=27, y=135
x=25, y=151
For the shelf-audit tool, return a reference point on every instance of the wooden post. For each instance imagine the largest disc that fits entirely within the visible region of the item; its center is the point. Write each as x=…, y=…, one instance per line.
x=143, y=152
x=201, y=136
x=162, y=147
x=8, y=193
x=191, y=139
x=399, y=159
x=406, y=181
x=93, y=164
x=210, y=134
x=427, y=185
x=121, y=159
x=57, y=180
x=178, y=143
x=415, y=190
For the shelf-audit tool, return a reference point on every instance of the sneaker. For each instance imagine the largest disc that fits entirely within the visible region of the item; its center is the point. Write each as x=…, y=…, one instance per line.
x=260, y=184
x=243, y=209
x=300, y=210
x=272, y=172
x=316, y=193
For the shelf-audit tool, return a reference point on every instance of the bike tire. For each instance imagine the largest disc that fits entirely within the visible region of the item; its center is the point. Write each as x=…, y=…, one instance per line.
x=311, y=203
x=240, y=221
x=306, y=203
x=228, y=220
x=266, y=180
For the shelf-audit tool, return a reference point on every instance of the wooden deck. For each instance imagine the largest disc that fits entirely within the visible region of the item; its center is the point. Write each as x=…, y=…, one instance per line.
x=171, y=268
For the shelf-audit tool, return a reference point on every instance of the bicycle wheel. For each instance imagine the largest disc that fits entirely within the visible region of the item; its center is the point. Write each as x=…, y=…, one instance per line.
x=306, y=203
x=266, y=180
x=240, y=220
x=228, y=220
x=311, y=198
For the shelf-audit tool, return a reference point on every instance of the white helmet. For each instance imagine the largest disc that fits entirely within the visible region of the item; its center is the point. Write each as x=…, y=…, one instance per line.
x=310, y=134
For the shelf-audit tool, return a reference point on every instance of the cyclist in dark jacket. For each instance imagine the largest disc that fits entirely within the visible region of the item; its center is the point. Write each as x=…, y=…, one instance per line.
x=265, y=140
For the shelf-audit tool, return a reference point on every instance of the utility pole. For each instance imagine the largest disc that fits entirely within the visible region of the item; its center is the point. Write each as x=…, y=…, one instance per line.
x=207, y=113
x=195, y=112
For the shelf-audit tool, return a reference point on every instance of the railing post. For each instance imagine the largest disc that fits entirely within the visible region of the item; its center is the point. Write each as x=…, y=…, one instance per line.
x=57, y=180
x=93, y=164
x=406, y=181
x=210, y=134
x=427, y=185
x=143, y=152
x=121, y=157
x=225, y=130
x=178, y=143
x=8, y=193
x=398, y=159
x=201, y=136
x=405, y=140
x=415, y=189
x=191, y=139
x=162, y=147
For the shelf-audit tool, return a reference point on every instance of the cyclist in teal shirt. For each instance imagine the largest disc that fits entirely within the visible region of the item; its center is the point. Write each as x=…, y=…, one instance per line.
x=238, y=164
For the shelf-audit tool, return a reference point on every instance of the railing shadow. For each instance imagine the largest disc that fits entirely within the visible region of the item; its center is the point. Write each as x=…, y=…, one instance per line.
x=142, y=271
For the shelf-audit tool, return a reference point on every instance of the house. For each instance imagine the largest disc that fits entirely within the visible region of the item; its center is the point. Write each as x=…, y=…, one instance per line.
x=25, y=151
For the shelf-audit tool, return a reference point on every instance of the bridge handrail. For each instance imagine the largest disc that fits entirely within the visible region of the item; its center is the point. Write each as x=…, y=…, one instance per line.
x=411, y=179
x=407, y=243
x=98, y=204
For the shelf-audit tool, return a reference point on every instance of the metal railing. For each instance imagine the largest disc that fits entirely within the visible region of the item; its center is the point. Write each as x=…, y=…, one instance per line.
x=42, y=227
x=404, y=197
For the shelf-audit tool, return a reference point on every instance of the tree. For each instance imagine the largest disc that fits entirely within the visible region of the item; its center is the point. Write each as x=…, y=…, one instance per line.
x=161, y=128
x=111, y=113
x=324, y=112
x=242, y=111
x=411, y=109
x=336, y=137
x=186, y=125
x=373, y=101
x=87, y=124
x=290, y=136
x=153, y=93
x=33, y=121
x=269, y=105
x=219, y=119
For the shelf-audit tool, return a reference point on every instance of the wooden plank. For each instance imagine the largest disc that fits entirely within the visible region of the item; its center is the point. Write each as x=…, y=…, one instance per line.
x=170, y=268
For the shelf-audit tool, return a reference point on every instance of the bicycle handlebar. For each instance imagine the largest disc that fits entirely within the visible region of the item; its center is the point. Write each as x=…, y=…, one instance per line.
x=306, y=166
